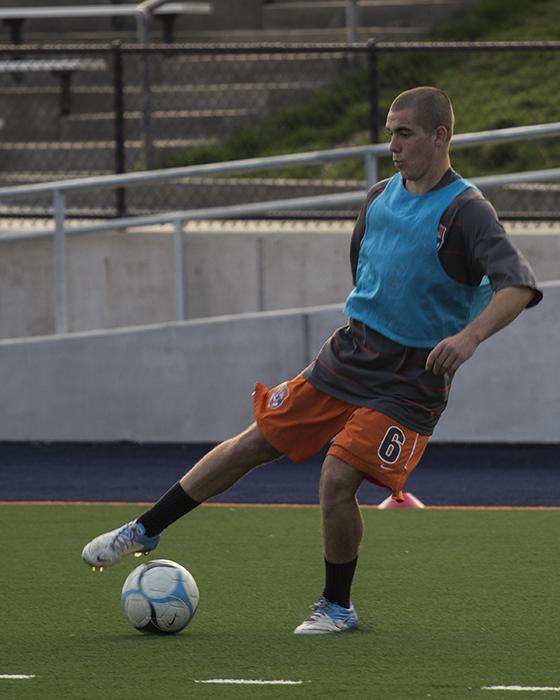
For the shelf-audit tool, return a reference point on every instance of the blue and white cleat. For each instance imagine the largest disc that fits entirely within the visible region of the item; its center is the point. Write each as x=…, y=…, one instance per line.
x=328, y=617
x=108, y=549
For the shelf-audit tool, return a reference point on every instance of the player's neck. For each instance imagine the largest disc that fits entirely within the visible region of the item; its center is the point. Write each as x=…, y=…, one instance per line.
x=429, y=179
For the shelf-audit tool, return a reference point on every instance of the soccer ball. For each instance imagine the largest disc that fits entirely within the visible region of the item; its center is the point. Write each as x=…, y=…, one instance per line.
x=160, y=597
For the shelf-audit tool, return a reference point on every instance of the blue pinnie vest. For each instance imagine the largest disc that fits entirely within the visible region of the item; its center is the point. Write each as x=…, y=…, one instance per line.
x=402, y=290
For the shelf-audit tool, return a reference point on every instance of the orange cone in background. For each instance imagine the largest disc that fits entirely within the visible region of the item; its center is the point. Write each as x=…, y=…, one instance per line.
x=410, y=501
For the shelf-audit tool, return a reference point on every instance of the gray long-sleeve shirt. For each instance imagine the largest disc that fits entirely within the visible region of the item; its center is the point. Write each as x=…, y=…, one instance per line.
x=363, y=367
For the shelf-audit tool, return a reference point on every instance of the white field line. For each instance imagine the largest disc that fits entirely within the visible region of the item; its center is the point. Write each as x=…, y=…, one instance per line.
x=523, y=688
x=14, y=676
x=248, y=681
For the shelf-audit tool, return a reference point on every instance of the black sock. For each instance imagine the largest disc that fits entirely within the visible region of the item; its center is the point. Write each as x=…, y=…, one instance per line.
x=338, y=582
x=171, y=506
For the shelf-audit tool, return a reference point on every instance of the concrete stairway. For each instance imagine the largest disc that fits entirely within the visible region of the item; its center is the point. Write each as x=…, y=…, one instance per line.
x=189, y=93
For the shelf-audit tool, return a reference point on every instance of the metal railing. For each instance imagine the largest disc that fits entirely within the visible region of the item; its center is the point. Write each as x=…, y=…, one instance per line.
x=143, y=12
x=370, y=154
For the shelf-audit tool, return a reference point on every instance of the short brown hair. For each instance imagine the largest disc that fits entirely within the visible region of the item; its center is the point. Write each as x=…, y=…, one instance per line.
x=432, y=106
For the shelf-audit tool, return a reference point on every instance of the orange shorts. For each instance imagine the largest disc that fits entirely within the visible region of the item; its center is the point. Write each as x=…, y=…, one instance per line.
x=298, y=421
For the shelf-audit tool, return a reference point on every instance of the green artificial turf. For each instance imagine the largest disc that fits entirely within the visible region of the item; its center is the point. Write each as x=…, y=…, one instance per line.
x=449, y=602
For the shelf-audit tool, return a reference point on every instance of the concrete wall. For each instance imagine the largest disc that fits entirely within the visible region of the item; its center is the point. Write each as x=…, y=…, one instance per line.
x=192, y=381
x=509, y=391
x=124, y=279
x=189, y=381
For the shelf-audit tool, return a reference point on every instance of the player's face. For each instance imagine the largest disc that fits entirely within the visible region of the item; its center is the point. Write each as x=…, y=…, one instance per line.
x=414, y=151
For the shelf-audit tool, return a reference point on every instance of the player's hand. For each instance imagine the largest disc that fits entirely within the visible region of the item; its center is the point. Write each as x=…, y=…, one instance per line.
x=451, y=353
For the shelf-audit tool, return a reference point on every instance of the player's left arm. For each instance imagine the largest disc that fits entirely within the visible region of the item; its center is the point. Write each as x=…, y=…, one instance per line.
x=503, y=308
x=477, y=232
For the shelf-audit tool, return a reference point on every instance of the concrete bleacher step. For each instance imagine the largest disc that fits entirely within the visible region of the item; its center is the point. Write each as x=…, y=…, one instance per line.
x=209, y=69
x=309, y=35
x=265, y=96
x=219, y=191
x=200, y=124
x=55, y=159
x=304, y=14
x=539, y=198
x=204, y=69
x=317, y=35
x=191, y=193
x=204, y=123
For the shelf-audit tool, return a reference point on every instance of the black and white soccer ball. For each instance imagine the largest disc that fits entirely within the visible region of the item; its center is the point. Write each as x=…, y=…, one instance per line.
x=160, y=597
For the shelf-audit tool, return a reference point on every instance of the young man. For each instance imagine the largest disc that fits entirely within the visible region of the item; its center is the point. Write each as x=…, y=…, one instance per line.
x=434, y=275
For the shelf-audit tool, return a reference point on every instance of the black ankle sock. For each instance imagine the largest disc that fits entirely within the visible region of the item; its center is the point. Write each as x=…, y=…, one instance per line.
x=171, y=506
x=338, y=582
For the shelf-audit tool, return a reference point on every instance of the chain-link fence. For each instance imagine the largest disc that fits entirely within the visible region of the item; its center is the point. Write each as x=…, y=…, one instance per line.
x=73, y=112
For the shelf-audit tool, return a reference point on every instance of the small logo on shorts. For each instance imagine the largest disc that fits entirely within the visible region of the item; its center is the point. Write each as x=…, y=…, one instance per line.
x=278, y=395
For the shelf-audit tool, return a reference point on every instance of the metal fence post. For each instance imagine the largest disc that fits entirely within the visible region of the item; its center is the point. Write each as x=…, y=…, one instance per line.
x=143, y=31
x=373, y=74
x=118, y=103
x=351, y=21
x=180, y=276
x=371, y=168
x=60, y=263
x=351, y=29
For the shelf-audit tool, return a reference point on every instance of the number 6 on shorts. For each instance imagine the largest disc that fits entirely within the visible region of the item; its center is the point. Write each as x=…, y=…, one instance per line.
x=391, y=446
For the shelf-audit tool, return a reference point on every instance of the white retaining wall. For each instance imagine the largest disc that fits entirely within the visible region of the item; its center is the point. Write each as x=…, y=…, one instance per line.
x=127, y=278
x=192, y=381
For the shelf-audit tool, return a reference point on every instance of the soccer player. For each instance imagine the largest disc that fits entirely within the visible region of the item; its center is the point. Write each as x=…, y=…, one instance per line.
x=435, y=274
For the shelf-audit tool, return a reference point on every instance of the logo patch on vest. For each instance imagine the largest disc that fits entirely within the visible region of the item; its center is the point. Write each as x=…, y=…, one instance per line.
x=278, y=395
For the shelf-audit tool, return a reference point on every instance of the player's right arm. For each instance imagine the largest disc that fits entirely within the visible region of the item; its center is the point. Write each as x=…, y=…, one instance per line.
x=485, y=249
x=503, y=308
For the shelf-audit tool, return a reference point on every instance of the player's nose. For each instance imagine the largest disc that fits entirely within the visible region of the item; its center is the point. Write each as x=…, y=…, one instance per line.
x=394, y=145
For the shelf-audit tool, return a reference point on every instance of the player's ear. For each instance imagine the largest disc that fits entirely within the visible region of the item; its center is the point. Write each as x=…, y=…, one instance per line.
x=441, y=136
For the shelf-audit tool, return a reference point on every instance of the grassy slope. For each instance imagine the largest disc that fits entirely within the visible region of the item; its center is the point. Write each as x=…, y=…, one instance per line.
x=428, y=630
x=488, y=91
